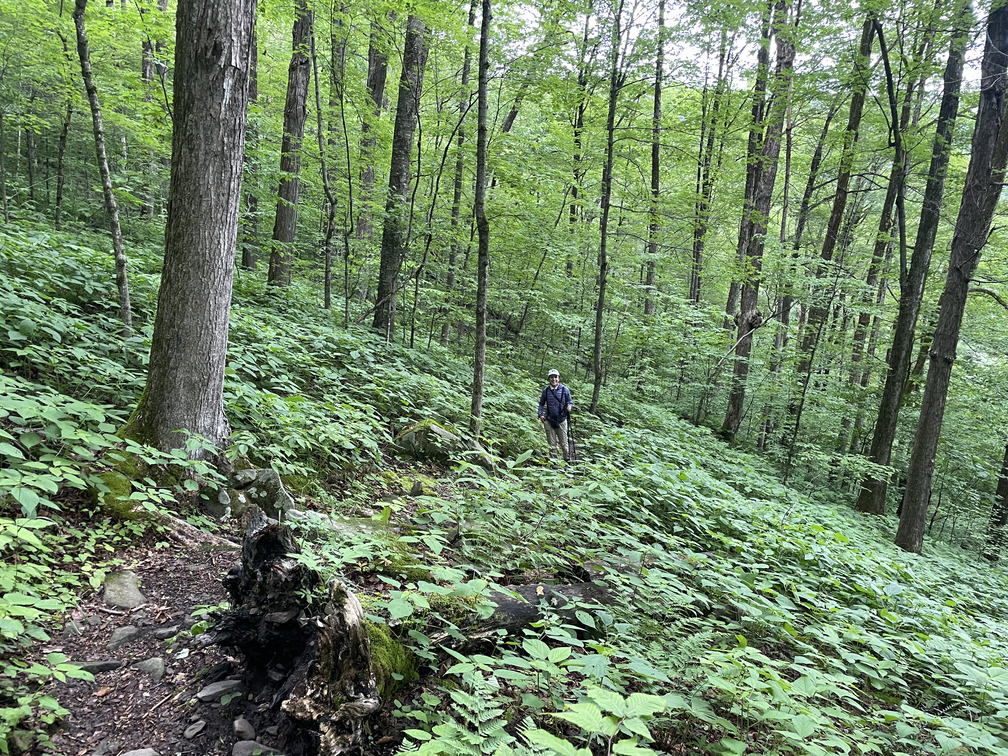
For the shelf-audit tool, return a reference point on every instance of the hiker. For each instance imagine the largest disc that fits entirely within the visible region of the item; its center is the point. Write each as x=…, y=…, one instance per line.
x=555, y=406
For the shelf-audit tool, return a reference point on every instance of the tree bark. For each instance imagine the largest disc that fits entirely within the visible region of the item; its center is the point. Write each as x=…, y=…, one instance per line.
x=122, y=280
x=250, y=213
x=705, y=174
x=753, y=148
x=482, y=226
x=456, y=210
x=394, y=229
x=980, y=195
x=616, y=80
x=998, y=516
x=295, y=114
x=185, y=381
x=376, y=75
x=765, y=176
x=3, y=171
x=652, y=246
x=61, y=165
x=872, y=496
x=330, y=225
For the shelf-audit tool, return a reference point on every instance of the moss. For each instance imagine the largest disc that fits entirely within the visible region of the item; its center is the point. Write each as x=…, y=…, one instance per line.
x=116, y=502
x=391, y=662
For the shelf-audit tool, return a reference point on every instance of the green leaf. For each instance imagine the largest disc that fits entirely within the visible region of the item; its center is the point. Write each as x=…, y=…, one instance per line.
x=586, y=716
x=629, y=747
x=644, y=705
x=609, y=701
x=536, y=648
x=9, y=450
x=803, y=726
x=558, y=654
x=400, y=608
x=559, y=746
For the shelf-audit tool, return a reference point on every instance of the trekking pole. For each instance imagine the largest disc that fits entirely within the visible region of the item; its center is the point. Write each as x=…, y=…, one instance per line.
x=572, y=447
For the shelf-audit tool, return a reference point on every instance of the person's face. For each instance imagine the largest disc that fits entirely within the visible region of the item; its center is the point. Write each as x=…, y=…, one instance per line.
x=554, y=380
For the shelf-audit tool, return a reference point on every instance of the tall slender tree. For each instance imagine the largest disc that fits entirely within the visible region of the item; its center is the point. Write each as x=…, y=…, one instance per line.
x=482, y=225
x=295, y=114
x=653, y=227
x=872, y=496
x=984, y=178
x=394, y=228
x=122, y=276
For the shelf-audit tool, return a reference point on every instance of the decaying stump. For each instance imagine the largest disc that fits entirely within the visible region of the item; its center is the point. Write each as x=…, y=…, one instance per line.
x=316, y=646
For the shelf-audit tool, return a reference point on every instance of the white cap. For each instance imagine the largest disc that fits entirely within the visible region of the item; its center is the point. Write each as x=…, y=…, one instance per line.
x=553, y=372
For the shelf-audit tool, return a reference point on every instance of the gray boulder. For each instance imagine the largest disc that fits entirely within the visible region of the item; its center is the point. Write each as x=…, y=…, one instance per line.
x=261, y=487
x=122, y=590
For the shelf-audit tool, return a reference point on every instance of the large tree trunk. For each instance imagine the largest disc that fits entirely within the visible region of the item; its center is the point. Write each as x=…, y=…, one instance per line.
x=456, y=210
x=185, y=380
x=330, y=224
x=652, y=246
x=122, y=281
x=295, y=114
x=980, y=195
x=394, y=228
x=615, y=84
x=749, y=317
x=376, y=75
x=482, y=226
x=871, y=498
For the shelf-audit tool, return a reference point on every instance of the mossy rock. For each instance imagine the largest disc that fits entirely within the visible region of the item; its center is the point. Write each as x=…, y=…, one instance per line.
x=392, y=664
x=429, y=441
x=118, y=484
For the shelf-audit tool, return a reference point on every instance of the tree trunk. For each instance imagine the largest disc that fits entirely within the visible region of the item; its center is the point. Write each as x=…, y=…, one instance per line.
x=295, y=114
x=705, y=174
x=652, y=248
x=330, y=225
x=998, y=516
x=482, y=226
x=871, y=498
x=122, y=281
x=456, y=210
x=3, y=171
x=376, y=75
x=250, y=214
x=185, y=380
x=980, y=196
x=615, y=84
x=765, y=176
x=394, y=228
x=753, y=149
x=61, y=165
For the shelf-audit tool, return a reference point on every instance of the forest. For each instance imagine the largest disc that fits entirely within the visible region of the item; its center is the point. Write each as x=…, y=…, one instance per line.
x=342, y=243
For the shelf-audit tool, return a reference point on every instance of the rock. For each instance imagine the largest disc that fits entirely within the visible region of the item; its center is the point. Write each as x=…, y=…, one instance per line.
x=216, y=502
x=122, y=589
x=105, y=747
x=272, y=730
x=214, y=691
x=122, y=635
x=142, y=752
x=163, y=633
x=243, y=729
x=96, y=667
x=262, y=488
x=251, y=748
x=429, y=441
x=194, y=729
x=155, y=667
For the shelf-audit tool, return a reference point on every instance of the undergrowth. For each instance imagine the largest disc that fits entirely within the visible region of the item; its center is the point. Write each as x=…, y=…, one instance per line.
x=730, y=613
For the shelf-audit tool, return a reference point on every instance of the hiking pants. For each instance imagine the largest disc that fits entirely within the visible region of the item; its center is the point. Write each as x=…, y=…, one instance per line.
x=557, y=437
